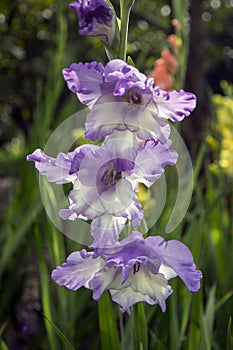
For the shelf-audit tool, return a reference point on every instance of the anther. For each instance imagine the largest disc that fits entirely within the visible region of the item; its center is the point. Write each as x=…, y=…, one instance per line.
x=136, y=268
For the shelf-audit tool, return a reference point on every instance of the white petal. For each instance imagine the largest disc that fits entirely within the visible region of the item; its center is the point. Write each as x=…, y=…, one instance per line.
x=78, y=271
x=55, y=169
x=122, y=144
x=85, y=201
x=106, y=230
x=154, y=285
x=101, y=281
x=174, y=105
x=105, y=116
x=121, y=200
x=150, y=162
x=127, y=297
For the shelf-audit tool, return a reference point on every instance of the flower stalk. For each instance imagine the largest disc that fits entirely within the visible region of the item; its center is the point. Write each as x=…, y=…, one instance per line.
x=125, y=13
x=130, y=115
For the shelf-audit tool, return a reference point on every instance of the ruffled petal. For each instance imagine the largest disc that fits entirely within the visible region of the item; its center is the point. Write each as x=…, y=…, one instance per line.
x=105, y=116
x=127, y=297
x=122, y=201
x=80, y=154
x=110, y=114
x=68, y=214
x=113, y=70
x=106, y=230
x=129, y=254
x=84, y=200
x=154, y=285
x=102, y=280
x=141, y=286
x=55, y=169
x=114, y=252
x=85, y=80
x=177, y=256
x=150, y=162
x=78, y=271
x=174, y=105
x=145, y=122
x=122, y=145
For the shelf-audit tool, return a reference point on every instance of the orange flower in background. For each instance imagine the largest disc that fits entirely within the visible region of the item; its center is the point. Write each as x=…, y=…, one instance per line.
x=176, y=24
x=161, y=75
x=174, y=42
x=164, y=69
x=170, y=61
x=167, y=65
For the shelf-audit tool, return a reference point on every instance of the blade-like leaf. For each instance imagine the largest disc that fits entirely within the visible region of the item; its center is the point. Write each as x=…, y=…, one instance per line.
x=61, y=335
x=107, y=324
x=3, y=345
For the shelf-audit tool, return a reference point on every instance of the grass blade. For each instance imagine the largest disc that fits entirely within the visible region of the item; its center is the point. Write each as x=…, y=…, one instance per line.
x=107, y=324
x=61, y=335
x=208, y=321
x=140, y=328
x=45, y=292
x=12, y=245
x=229, y=336
x=3, y=345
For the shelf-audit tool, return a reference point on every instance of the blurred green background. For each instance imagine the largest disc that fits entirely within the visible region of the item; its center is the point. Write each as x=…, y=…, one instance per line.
x=38, y=39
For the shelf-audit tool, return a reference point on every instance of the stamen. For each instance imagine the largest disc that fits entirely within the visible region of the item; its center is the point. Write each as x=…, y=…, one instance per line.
x=114, y=176
x=134, y=96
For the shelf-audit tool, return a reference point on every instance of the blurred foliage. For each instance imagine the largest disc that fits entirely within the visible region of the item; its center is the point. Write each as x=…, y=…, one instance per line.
x=29, y=33
x=217, y=27
x=223, y=130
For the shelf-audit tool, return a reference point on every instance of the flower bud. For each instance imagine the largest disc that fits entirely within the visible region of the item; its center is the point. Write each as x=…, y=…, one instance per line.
x=96, y=18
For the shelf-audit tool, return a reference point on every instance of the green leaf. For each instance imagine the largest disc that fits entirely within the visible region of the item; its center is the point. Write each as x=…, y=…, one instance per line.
x=61, y=335
x=3, y=345
x=110, y=53
x=208, y=321
x=187, y=299
x=174, y=321
x=140, y=328
x=229, y=336
x=107, y=324
x=24, y=224
x=45, y=291
x=130, y=61
x=194, y=328
x=223, y=300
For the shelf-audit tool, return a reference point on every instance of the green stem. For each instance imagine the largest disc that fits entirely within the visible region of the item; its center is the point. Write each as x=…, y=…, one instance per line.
x=122, y=330
x=107, y=324
x=125, y=12
x=139, y=327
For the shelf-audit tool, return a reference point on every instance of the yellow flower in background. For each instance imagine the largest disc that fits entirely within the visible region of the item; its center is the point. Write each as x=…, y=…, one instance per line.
x=224, y=125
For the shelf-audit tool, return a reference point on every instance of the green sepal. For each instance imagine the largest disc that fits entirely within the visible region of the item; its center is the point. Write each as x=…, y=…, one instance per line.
x=130, y=61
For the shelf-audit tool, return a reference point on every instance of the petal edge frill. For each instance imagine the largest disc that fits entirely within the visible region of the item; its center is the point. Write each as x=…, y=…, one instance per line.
x=79, y=269
x=177, y=256
x=85, y=80
x=55, y=169
x=174, y=105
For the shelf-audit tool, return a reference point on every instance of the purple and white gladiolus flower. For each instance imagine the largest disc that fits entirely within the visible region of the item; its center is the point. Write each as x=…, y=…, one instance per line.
x=96, y=18
x=133, y=270
x=105, y=181
x=130, y=115
x=148, y=107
